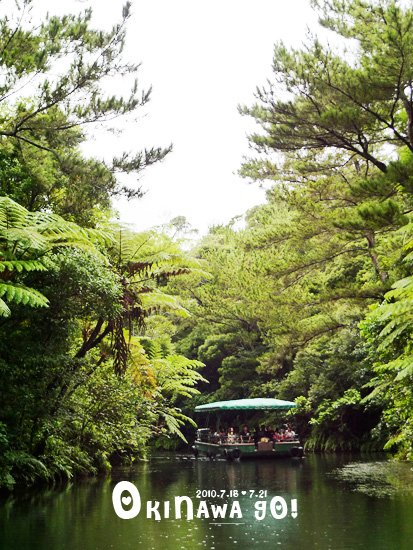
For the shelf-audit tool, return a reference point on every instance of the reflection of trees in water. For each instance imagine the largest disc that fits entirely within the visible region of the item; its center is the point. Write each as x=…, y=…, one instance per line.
x=330, y=513
x=279, y=474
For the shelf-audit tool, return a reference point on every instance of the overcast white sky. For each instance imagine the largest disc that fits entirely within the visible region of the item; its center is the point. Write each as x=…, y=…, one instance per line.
x=202, y=58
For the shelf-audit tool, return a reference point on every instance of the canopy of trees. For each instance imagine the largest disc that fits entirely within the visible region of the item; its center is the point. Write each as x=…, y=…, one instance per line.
x=88, y=370
x=104, y=333
x=312, y=299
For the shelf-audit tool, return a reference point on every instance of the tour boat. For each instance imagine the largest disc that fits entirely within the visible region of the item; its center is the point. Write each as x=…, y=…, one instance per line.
x=238, y=446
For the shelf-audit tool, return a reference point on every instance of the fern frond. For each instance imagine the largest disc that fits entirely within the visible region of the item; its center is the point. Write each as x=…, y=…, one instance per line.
x=158, y=300
x=393, y=331
x=21, y=265
x=173, y=424
x=4, y=309
x=24, y=237
x=20, y=294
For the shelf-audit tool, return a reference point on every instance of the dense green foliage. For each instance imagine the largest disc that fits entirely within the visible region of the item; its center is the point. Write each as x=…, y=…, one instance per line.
x=82, y=384
x=286, y=312
x=103, y=330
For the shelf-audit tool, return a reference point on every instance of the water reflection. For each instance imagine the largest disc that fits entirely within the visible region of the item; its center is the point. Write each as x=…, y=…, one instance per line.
x=331, y=513
x=377, y=478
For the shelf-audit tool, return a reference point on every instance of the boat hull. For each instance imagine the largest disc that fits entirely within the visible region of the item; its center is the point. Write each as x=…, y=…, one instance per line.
x=233, y=451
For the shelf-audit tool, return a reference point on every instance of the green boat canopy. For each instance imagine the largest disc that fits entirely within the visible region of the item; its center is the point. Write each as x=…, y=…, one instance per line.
x=257, y=404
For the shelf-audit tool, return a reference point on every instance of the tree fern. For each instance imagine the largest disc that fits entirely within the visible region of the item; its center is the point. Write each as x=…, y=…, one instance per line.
x=20, y=294
x=164, y=377
x=389, y=329
x=177, y=376
x=25, y=238
x=145, y=262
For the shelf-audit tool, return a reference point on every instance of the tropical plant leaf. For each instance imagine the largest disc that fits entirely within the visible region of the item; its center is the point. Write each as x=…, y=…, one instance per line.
x=20, y=294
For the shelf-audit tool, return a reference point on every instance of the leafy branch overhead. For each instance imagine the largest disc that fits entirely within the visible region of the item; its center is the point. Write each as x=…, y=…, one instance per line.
x=25, y=239
x=66, y=66
x=280, y=315
x=78, y=391
x=310, y=300
x=358, y=101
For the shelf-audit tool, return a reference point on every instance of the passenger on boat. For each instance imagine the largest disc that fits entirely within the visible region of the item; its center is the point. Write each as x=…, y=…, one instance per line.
x=289, y=433
x=276, y=436
x=245, y=435
x=216, y=437
x=232, y=436
x=269, y=432
x=259, y=435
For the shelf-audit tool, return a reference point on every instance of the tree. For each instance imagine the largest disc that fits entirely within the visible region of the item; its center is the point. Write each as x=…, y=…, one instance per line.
x=359, y=102
x=335, y=143
x=387, y=330
x=80, y=383
x=64, y=64
x=25, y=239
x=74, y=392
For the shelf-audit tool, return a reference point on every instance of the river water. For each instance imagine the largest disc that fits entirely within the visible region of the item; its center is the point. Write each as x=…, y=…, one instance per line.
x=329, y=502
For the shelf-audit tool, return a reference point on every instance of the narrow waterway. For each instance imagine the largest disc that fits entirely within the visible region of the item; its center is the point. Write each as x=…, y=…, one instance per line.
x=342, y=502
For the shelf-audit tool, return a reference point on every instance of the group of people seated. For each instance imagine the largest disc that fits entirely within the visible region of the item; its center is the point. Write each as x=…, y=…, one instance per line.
x=260, y=434
x=278, y=434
